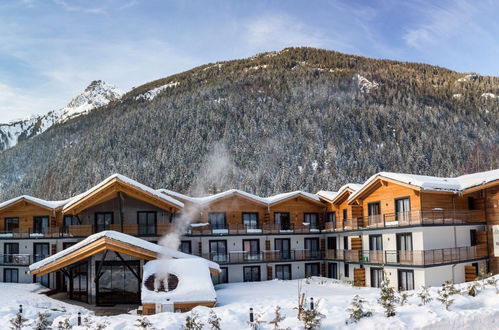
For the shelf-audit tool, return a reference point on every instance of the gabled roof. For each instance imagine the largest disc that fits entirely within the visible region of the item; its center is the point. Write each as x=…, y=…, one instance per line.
x=285, y=196
x=327, y=195
x=212, y=198
x=345, y=191
x=49, y=205
x=125, y=181
x=456, y=185
x=108, y=240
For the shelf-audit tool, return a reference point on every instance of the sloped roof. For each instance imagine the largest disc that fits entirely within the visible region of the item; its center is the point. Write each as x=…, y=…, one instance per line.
x=110, y=240
x=349, y=187
x=284, y=196
x=432, y=183
x=329, y=195
x=127, y=181
x=41, y=202
x=211, y=198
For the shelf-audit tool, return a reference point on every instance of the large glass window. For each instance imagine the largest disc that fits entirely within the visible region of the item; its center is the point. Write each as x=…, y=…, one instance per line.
x=333, y=270
x=376, y=277
x=331, y=243
x=283, y=247
x=43, y=280
x=11, y=225
x=283, y=272
x=345, y=215
x=147, y=223
x=222, y=277
x=79, y=285
x=312, y=219
x=404, y=248
x=11, y=275
x=251, y=273
x=185, y=246
x=11, y=250
x=103, y=220
x=251, y=247
x=331, y=218
x=312, y=247
x=472, y=237
x=217, y=220
x=40, y=224
x=347, y=270
x=250, y=220
x=40, y=251
x=117, y=284
x=70, y=220
x=373, y=212
x=218, y=251
x=406, y=279
x=375, y=242
x=282, y=220
x=402, y=208
x=312, y=270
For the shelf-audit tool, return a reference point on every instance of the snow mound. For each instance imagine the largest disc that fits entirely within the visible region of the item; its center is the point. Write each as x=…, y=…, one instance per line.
x=365, y=85
x=151, y=94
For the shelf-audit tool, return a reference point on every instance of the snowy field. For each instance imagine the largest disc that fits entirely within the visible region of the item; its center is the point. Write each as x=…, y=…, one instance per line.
x=234, y=301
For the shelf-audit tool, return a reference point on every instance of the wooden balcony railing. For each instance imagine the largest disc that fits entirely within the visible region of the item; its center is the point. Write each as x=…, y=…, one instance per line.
x=410, y=218
x=410, y=258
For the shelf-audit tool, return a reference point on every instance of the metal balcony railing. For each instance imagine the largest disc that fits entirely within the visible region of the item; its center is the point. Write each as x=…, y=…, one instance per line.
x=238, y=257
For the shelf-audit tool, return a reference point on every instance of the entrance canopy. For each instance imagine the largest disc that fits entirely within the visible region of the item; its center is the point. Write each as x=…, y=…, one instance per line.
x=109, y=240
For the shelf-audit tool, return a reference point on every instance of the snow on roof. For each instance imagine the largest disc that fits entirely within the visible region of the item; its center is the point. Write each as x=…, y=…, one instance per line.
x=194, y=285
x=329, y=195
x=212, y=198
x=138, y=242
x=177, y=195
x=128, y=181
x=48, y=204
x=283, y=196
x=433, y=183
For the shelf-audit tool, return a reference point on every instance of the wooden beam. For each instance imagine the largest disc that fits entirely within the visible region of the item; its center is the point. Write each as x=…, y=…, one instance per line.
x=128, y=266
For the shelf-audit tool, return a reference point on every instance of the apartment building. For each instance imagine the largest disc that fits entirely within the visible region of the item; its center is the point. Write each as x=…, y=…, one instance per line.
x=420, y=230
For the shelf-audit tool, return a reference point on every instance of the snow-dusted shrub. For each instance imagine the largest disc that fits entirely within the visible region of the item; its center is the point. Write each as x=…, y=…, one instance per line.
x=301, y=301
x=278, y=318
x=65, y=325
x=42, y=322
x=143, y=323
x=387, y=298
x=403, y=296
x=18, y=322
x=424, y=295
x=214, y=321
x=357, y=310
x=257, y=322
x=192, y=322
x=445, y=294
x=473, y=289
x=312, y=318
x=492, y=281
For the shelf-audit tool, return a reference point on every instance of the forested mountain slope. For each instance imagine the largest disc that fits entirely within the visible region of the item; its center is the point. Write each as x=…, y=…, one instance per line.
x=301, y=118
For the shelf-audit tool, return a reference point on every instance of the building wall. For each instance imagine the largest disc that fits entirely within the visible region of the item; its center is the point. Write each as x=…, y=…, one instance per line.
x=386, y=195
x=233, y=207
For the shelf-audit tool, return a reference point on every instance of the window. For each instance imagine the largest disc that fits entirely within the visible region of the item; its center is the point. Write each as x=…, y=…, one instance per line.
x=251, y=247
x=404, y=242
x=331, y=218
x=312, y=247
x=345, y=215
x=103, y=220
x=43, y=280
x=312, y=270
x=333, y=270
x=70, y=220
x=375, y=243
x=331, y=243
x=283, y=272
x=250, y=220
x=11, y=275
x=402, y=208
x=218, y=251
x=471, y=203
x=251, y=273
x=11, y=225
x=312, y=219
x=406, y=279
x=40, y=224
x=222, y=277
x=345, y=242
x=473, y=237
x=373, y=208
x=376, y=277
x=282, y=220
x=146, y=222
x=40, y=251
x=217, y=220
x=185, y=246
x=283, y=247
x=10, y=251
x=347, y=270
x=65, y=245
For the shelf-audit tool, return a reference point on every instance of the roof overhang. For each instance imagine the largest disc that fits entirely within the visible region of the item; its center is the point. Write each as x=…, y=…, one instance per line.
x=375, y=183
x=23, y=201
x=109, y=190
x=297, y=195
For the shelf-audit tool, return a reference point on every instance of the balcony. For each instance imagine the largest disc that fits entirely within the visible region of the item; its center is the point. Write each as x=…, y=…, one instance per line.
x=240, y=257
x=410, y=258
x=410, y=218
x=200, y=229
x=30, y=233
x=15, y=259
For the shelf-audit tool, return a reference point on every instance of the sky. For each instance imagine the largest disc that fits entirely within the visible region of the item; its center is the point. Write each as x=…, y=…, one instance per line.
x=50, y=50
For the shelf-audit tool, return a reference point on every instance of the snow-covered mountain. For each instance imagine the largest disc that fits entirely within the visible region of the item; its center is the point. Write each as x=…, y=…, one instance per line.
x=96, y=95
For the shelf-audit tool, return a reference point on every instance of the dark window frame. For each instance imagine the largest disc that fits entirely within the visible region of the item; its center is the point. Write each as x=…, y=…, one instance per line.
x=252, y=240
x=309, y=214
x=345, y=215
x=372, y=271
x=283, y=226
x=7, y=221
x=395, y=207
x=38, y=256
x=217, y=226
x=399, y=277
x=369, y=208
x=184, y=242
x=317, y=264
x=12, y=270
x=331, y=274
x=251, y=225
x=473, y=240
x=147, y=225
x=290, y=271
x=96, y=215
x=259, y=276
x=397, y=235
x=370, y=242
x=286, y=254
x=346, y=270
x=36, y=225
x=9, y=257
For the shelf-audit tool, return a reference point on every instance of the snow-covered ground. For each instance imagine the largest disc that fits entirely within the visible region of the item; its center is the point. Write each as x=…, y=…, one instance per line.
x=234, y=301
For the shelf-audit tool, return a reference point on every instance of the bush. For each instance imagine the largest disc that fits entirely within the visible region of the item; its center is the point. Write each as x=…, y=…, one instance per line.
x=424, y=295
x=445, y=294
x=312, y=318
x=192, y=322
x=214, y=321
x=42, y=322
x=357, y=311
x=278, y=318
x=18, y=322
x=143, y=323
x=387, y=298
